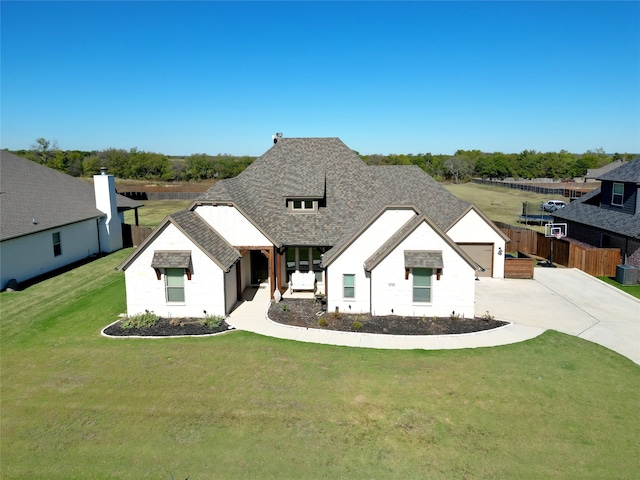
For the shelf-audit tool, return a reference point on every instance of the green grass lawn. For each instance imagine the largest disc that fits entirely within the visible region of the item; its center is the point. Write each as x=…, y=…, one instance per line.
x=633, y=290
x=500, y=203
x=154, y=211
x=76, y=405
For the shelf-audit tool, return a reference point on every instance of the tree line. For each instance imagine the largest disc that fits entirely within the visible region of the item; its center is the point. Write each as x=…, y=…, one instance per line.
x=464, y=164
x=527, y=164
x=136, y=164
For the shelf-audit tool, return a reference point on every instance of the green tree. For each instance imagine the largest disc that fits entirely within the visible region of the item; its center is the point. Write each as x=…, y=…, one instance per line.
x=44, y=149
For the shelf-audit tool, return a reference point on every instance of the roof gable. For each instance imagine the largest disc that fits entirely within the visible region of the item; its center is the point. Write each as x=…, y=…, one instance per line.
x=199, y=232
x=326, y=168
x=407, y=229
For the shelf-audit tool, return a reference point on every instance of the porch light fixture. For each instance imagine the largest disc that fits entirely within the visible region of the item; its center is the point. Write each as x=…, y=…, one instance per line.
x=499, y=250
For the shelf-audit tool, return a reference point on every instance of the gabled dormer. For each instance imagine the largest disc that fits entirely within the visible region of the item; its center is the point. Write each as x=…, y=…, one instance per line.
x=306, y=193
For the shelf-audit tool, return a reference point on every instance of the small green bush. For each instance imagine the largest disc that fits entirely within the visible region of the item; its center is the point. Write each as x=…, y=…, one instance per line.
x=140, y=320
x=356, y=325
x=285, y=307
x=322, y=322
x=487, y=317
x=213, y=321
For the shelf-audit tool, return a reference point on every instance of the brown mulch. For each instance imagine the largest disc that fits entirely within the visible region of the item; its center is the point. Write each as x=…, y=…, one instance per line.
x=166, y=327
x=304, y=313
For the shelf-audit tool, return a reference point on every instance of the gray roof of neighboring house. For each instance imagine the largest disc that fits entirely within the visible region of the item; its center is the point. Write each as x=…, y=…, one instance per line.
x=594, y=173
x=199, y=232
x=586, y=210
x=326, y=168
x=629, y=172
x=30, y=191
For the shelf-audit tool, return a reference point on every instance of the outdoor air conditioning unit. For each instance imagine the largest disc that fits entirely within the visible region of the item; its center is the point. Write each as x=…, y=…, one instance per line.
x=626, y=274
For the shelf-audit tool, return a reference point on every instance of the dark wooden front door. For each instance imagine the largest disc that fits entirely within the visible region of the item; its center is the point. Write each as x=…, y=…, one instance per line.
x=259, y=267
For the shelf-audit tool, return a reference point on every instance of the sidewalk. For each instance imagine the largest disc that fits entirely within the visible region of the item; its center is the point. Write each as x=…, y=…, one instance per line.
x=251, y=315
x=566, y=300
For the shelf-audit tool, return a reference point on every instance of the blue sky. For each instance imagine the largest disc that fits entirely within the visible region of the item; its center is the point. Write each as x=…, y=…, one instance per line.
x=386, y=77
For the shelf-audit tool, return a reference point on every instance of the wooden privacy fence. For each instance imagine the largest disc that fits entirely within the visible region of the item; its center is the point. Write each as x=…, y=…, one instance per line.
x=555, y=190
x=133, y=235
x=566, y=251
x=595, y=261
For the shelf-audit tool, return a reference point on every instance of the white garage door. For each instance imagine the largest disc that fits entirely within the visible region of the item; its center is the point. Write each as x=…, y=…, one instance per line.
x=482, y=254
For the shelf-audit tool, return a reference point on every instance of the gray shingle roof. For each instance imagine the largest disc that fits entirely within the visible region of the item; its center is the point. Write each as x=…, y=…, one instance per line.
x=171, y=259
x=199, y=232
x=628, y=172
x=30, y=191
x=210, y=241
x=423, y=259
x=402, y=233
x=354, y=192
x=586, y=210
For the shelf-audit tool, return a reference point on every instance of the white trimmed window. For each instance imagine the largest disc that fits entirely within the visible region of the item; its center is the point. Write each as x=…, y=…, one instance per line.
x=617, y=198
x=349, y=285
x=174, y=284
x=57, y=244
x=422, y=285
x=303, y=206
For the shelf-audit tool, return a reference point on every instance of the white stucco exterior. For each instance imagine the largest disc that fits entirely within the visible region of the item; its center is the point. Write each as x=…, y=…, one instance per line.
x=232, y=225
x=28, y=256
x=210, y=288
x=351, y=261
x=111, y=224
x=392, y=293
x=472, y=228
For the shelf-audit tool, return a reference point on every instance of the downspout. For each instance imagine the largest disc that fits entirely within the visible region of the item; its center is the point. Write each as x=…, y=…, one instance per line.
x=98, y=228
x=370, y=288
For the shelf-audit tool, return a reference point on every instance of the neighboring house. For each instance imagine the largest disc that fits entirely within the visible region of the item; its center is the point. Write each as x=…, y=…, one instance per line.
x=593, y=174
x=309, y=213
x=49, y=220
x=609, y=216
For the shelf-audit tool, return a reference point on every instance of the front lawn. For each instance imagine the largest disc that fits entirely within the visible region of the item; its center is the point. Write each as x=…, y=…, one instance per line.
x=76, y=405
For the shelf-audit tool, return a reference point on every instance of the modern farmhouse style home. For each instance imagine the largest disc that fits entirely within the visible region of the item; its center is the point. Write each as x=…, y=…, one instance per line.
x=309, y=214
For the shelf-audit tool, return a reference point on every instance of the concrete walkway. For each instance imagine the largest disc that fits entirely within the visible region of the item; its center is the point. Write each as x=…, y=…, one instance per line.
x=566, y=300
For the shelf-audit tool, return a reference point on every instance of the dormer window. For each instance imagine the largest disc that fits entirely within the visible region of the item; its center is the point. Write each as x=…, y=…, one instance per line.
x=303, y=205
x=617, y=197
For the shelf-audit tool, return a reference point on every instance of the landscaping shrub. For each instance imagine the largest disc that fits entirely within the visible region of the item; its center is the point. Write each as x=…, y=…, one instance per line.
x=213, y=321
x=140, y=320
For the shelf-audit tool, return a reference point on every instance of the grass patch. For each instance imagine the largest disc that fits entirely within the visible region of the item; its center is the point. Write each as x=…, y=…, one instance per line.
x=500, y=203
x=77, y=405
x=154, y=211
x=633, y=290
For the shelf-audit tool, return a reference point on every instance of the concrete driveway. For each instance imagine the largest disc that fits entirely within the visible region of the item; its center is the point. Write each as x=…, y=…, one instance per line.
x=567, y=300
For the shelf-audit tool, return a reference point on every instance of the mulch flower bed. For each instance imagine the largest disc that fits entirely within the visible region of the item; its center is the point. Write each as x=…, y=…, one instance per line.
x=166, y=327
x=305, y=313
